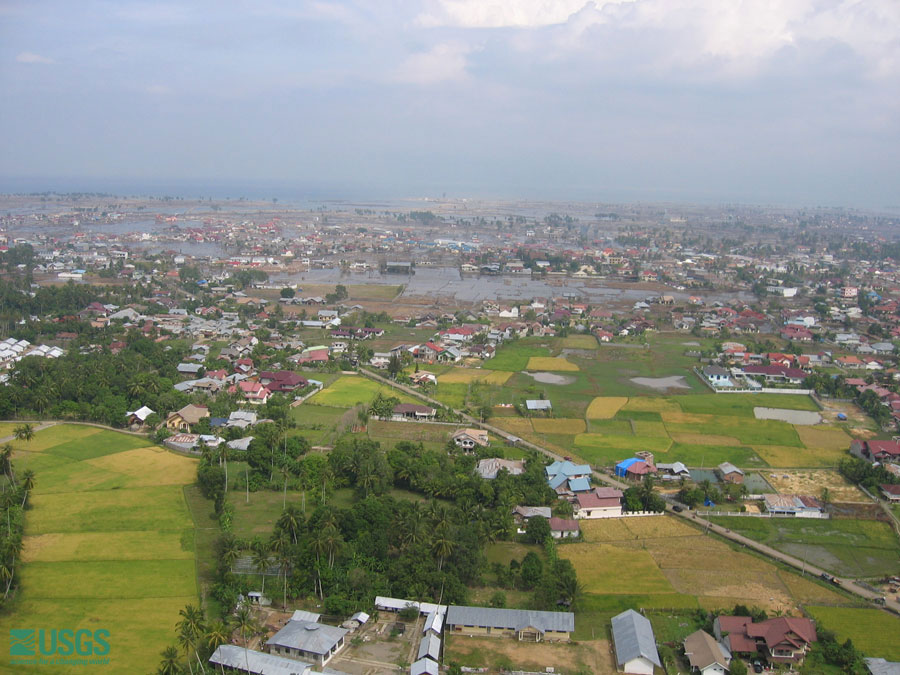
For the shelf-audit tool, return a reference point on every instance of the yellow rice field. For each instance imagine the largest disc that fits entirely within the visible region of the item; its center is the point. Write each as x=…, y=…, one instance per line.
x=467, y=375
x=554, y=363
x=605, y=407
x=558, y=425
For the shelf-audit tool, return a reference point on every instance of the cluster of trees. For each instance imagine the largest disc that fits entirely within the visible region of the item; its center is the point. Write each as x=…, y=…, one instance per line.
x=198, y=638
x=97, y=386
x=13, y=502
x=692, y=496
x=643, y=498
x=863, y=473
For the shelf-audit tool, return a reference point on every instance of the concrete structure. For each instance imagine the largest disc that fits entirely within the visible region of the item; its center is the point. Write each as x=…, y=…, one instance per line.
x=489, y=468
x=469, y=439
x=603, y=502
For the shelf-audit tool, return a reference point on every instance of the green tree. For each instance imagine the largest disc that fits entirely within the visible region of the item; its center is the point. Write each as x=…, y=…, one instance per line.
x=169, y=664
x=23, y=432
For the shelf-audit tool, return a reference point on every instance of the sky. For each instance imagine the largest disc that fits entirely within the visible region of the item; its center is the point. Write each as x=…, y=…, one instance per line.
x=792, y=102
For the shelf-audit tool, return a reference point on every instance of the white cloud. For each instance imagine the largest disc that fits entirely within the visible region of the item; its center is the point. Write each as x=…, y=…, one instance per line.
x=442, y=63
x=31, y=57
x=499, y=13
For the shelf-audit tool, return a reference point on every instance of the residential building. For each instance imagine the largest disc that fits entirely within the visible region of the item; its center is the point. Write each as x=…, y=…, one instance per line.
x=705, y=655
x=489, y=468
x=780, y=640
x=190, y=414
x=564, y=528
x=603, y=502
x=469, y=439
x=729, y=473
x=634, y=643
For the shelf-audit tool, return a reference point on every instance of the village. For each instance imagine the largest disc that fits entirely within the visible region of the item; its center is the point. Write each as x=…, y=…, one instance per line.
x=701, y=427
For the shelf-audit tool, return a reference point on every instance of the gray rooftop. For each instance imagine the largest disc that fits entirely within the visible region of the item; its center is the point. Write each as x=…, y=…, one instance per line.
x=633, y=638
x=538, y=404
x=308, y=636
x=513, y=619
x=259, y=663
x=879, y=666
x=430, y=646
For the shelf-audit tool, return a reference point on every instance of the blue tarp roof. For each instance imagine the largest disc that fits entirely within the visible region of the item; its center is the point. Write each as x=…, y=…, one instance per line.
x=622, y=467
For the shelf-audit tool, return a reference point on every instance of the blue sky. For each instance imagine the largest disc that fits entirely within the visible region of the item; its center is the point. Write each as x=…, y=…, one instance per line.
x=767, y=101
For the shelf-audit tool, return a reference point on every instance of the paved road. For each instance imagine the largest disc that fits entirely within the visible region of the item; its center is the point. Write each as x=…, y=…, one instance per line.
x=803, y=566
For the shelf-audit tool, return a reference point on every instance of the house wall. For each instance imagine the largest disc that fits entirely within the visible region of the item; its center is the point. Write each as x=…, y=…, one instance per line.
x=641, y=666
x=599, y=512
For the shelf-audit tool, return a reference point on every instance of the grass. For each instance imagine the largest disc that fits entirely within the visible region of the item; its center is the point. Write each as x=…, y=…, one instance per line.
x=743, y=404
x=410, y=431
x=558, y=425
x=109, y=542
x=869, y=629
x=515, y=356
x=98, y=546
x=350, y=390
x=605, y=407
x=603, y=568
x=257, y=519
x=504, y=552
x=791, y=457
x=858, y=548
x=553, y=363
x=823, y=438
x=707, y=456
x=579, y=342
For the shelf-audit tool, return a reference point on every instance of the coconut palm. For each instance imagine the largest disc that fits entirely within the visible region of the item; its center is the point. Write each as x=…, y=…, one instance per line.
x=261, y=555
x=243, y=619
x=6, y=466
x=190, y=630
x=216, y=634
x=24, y=432
x=27, y=484
x=291, y=522
x=169, y=664
x=442, y=544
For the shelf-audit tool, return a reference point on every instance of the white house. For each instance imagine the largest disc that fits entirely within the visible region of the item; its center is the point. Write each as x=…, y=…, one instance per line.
x=705, y=655
x=634, y=643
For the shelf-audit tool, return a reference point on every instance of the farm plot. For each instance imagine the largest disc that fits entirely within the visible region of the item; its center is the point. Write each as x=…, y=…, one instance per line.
x=558, y=425
x=823, y=437
x=467, y=375
x=868, y=628
x=552, y=363
x=515, y=357
x=605, y=407
x=350, y=390
x=857, y=548
x=743, y=404
x=580, y=342
x=814, y=482
x=792, y=456
x=698, y=570
x=117, y=552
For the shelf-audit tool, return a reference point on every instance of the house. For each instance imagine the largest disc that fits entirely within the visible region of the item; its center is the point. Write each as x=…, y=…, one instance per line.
x=489, y=468
x=430, y=647
x=183, y=419
x=412, y=411
x=568, y=478
x=420, y=378
x=718, y=377
x=777, y=373
x=282, y=381
x=254, y=392
x=241, y=419
x=673, y=471
x=876, y=451
x=138, y=416
x=880, y=666
x=522, y=624
x=563, y=528
x=800, y=506
x=705, y=655
x=190, y=368
x=605, y=502
x=729, y=473
x=634, y=643
x=538, y=405
x=523, y=514
x=634, y=468
x=468, y=439
x=307, y=641
x=780, y=640
x=891, y=493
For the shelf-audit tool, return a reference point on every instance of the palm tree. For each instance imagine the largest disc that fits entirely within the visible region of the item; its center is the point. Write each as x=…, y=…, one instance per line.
x=216, y=634
x=243, y=619
x=24, y=432
x=27, y=484
x=261, y=560
x=6, y=466
x=231, y=552
x=7, y=573
x=284, y=565
x=191, y=629
x=442, y=544
x=291, y=522
x=169, y=664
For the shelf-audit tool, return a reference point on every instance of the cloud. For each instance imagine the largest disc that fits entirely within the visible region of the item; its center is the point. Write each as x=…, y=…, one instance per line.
x=444, y=62
x=499, y=13
x=31, y=57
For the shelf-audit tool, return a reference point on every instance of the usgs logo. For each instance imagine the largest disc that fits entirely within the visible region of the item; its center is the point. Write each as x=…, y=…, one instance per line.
x=65, y=642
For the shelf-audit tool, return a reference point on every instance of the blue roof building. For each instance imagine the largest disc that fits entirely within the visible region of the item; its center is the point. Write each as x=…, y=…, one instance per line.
x=622, y=467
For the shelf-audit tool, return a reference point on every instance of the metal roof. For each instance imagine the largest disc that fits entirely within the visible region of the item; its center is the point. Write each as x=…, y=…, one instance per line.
x=538, y=404
x=424, y=667
x=430, y=646
x=513, y=619
x=259, y=663
x=633, y=638
x=308, y=636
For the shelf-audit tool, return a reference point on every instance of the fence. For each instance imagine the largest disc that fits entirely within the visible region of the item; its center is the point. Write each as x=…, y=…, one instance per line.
x=766, y=514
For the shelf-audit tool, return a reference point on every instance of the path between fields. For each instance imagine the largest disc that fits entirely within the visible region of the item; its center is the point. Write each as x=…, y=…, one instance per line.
x=41, y=426
x=803, y=566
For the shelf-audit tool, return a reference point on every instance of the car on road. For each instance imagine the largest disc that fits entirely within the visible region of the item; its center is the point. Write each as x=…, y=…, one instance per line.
x=678, y=508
